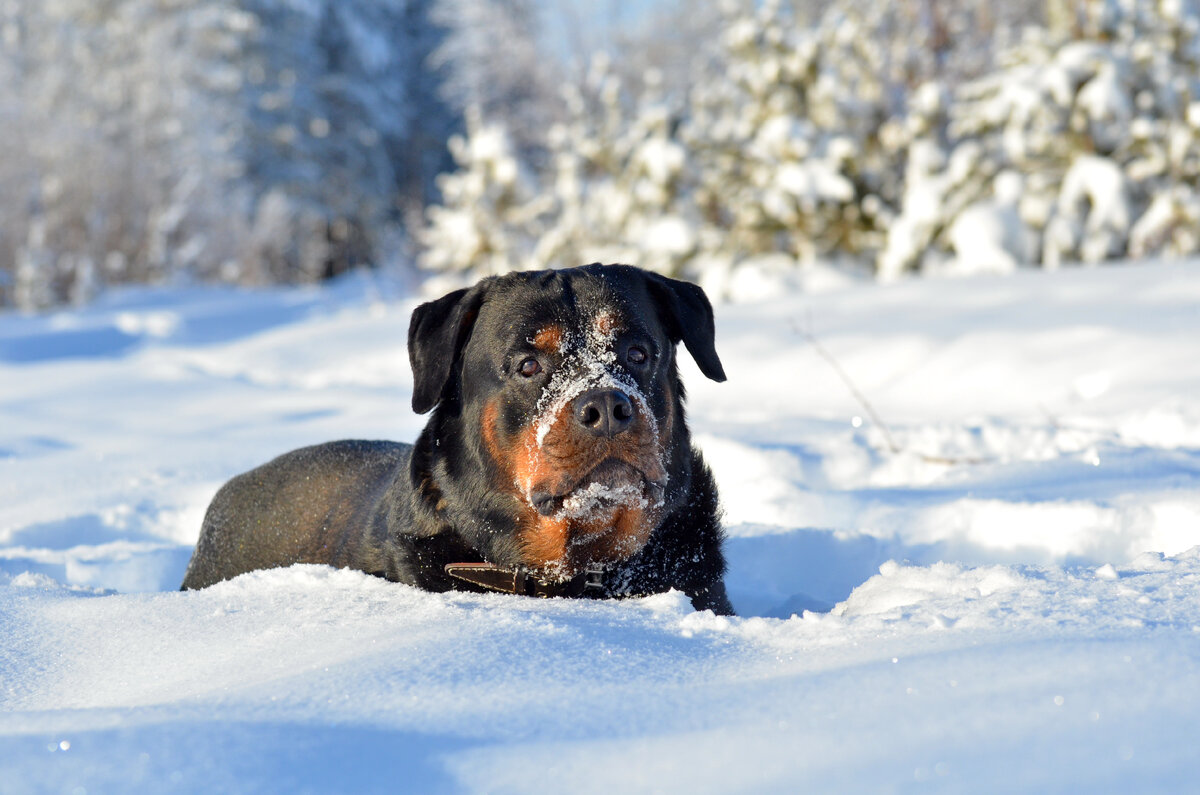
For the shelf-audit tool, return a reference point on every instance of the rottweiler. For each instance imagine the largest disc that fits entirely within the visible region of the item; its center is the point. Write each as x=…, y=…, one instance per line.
x=556, y=461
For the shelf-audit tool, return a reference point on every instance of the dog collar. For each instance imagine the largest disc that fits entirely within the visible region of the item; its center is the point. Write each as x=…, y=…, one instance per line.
x=519, y=581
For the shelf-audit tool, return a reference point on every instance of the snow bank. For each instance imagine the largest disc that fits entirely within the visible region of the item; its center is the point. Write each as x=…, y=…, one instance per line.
x=995, y=591
x=314, y=679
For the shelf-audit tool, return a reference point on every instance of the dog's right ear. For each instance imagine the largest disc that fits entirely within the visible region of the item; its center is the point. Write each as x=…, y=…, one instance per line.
x=436, y=336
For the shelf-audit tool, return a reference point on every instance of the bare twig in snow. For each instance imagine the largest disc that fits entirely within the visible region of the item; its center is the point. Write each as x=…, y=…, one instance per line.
x=869, y=409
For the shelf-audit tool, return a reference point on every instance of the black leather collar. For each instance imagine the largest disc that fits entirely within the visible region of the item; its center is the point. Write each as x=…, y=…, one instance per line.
x=589, y=584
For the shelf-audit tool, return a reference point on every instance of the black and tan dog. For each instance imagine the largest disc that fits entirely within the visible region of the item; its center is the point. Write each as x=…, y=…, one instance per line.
x=556, y=461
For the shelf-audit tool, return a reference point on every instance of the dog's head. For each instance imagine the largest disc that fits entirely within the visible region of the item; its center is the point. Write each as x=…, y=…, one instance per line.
x=564, y=389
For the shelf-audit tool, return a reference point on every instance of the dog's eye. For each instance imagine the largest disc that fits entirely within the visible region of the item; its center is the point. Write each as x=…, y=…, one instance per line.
x=530, y=367
x=636, y=355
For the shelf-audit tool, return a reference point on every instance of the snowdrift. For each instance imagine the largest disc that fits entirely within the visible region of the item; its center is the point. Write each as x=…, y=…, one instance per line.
x=983, y=578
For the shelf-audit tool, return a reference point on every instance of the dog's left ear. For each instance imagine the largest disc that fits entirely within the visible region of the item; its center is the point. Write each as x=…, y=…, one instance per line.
x=688, y=317
x=437, y=334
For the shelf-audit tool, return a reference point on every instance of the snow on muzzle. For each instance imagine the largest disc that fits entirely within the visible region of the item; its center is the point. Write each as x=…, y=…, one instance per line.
x=596, y=443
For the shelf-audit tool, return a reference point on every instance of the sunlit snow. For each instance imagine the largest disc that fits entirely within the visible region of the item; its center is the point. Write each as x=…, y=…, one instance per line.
x=996, y=589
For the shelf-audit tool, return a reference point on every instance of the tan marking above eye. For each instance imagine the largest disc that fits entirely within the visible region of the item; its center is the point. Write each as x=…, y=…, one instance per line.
x=549, y=339
x=605, y=323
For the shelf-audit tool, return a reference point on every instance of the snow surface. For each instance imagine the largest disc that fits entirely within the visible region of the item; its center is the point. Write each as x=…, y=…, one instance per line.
x=1002, y=583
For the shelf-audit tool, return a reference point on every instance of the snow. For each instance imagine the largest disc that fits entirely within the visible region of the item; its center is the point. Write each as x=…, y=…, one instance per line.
x=989, y=236
x=1093, y=187
x=986, y=580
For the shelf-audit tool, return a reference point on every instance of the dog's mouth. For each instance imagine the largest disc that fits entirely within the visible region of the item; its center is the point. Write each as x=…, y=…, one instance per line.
x=612, y=484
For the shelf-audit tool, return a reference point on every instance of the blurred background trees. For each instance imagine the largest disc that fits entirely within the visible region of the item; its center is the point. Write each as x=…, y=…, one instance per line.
x=254, y=141
x=912, y=136
x=263, y=141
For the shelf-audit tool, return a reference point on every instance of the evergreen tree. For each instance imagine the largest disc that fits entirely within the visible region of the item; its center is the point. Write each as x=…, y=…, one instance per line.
x=823, y=133
x=488, y=218
x=613, y=193
x=247, y=140
x=1096, y=116
x=494, y=62
x=785, y=138
x=619, y=178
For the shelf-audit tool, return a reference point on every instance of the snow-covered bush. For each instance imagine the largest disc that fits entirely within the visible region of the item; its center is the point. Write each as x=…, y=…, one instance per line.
x=913, y=136
x=618, y=178
x=788, y=143
x=612, y=190
x=785, y=142
x=1095, y=125
x=775, y=151
x=489, y=217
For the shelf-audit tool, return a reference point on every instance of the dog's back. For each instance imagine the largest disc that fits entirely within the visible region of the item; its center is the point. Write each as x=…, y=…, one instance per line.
x=313, y=505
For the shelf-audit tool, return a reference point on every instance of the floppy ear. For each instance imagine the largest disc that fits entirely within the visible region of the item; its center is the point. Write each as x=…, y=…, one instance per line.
x=688, y=317
x=436, y=336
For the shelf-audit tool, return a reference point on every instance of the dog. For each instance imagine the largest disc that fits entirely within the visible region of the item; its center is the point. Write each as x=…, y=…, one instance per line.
x=556, y=461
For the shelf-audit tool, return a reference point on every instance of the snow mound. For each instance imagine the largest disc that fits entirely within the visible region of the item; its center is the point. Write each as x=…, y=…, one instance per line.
x=996, y=560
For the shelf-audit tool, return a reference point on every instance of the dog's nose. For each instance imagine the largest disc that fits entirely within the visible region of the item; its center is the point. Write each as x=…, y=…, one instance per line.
x=604, y=412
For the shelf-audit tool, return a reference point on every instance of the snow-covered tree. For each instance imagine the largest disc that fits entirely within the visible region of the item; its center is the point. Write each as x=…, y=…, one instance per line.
x=488, y=218
x=250, y=140
x=915, y=136
x=773, y=151
x=618, y=177
x=778, y=146
x=1096, y=117
x=612, y=192
x=786, y=138
x=495, y=63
